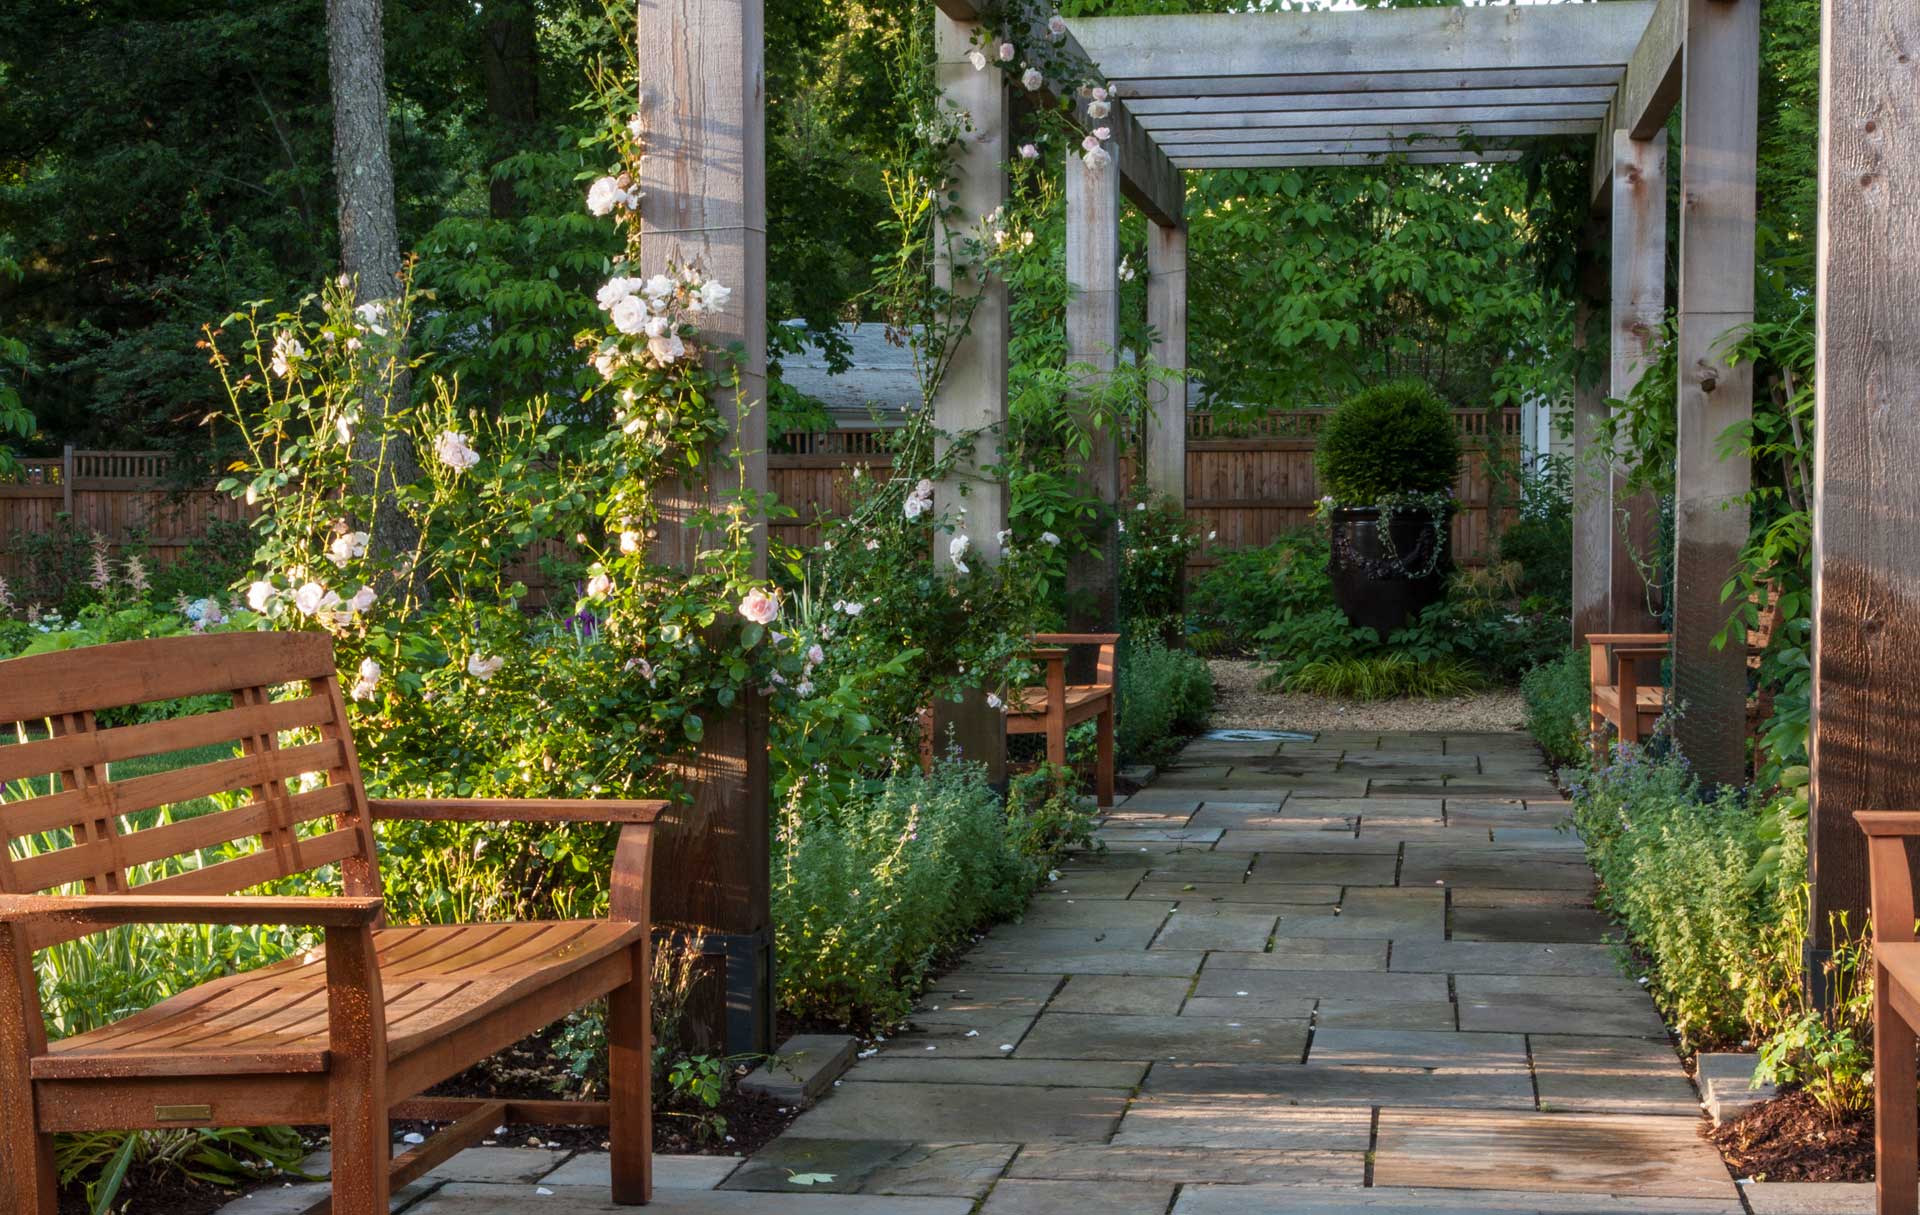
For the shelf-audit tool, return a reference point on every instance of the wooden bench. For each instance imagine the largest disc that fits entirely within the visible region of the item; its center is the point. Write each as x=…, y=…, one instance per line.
x=348, y=1037
x=1624, y=668
x=1623, y=671
x=1059, y=706
x=1896, y=1008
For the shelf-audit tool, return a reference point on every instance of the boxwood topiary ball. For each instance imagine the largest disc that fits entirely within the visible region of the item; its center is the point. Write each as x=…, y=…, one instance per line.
x=1395, y=438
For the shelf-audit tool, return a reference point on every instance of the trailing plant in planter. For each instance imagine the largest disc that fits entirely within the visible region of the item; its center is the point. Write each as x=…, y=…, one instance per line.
x=1387, y=460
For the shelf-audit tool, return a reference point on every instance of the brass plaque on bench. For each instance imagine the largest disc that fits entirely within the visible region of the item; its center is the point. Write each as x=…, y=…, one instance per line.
x=183, y=1113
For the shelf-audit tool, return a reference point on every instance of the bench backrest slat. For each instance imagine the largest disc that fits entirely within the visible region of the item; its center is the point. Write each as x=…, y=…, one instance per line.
x=282, y=773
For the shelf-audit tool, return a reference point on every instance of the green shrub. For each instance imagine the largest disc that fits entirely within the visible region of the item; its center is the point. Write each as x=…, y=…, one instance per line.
x=1384, y=677
x=1165, y=697
x=1557, y=705
x=872, y=886
x=1252, y=589
x=1685, y=878
x=1396, y=438
x=1540, y=540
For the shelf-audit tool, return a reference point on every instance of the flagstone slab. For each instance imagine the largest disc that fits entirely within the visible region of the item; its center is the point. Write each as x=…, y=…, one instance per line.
x=1810, y=1197
x=1093, y=883
x=1212, y=866
x=1142, y=816
x=1206, y=927
x=1021, y=1197
x=1000, y=1071
x=1187, y=1165
x=1219, y=981
x=1378, y=912
x=1198, y=776
x=1510, y=899
x=1565, y=924
x=957, y=1113
x=1309, y=953
x=1468, y=812
x=866, y=1166
x=1314, y=868
x=670, y=1171
x=1258, y=1008
x=1556, y=1004
x=976, y=1041
x=1507, y=868
x=1610, y=1075
x=1304, y=1200
x=1035, y=938
x=1131, y=913
x=1313, y=843
x=1495, y=1080
x=1121, y=995
x=1195, y=895
x=1071, y=960
x=1162, y=797
x=970, y=992
x=1635, y=1155
x=1385, y=1014
x=1236, y=1121
x=1289, y=826
x=483, y=1199
x=1504, y=958
x=1252, y=1040
x=1544, y=836
x=1115, y=837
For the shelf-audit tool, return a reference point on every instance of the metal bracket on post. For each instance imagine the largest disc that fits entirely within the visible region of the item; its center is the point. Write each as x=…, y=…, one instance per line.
x=749, y=981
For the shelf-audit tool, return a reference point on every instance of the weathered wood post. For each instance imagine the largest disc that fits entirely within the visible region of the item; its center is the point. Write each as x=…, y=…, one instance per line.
x=1719, y=120
x=1639, y=308
x=703, y=104
x=1093, y=338
x=971, y=399
x=1866, y=511
x=1166, y=454
x=1592, y=499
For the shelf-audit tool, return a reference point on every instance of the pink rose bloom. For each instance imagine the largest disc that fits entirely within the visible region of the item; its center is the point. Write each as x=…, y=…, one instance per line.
x=760, y=607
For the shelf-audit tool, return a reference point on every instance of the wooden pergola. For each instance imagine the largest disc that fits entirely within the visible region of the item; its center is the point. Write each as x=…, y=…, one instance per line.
x=1435, y=86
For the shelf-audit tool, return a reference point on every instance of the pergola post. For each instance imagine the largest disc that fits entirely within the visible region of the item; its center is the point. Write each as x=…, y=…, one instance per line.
x=1866, y=512
x=1639, y=308
x=1093, y=338
x=970, y=402
x=704, y=204
x=1166, y=454
x=1719, y=121
x=1592, y=502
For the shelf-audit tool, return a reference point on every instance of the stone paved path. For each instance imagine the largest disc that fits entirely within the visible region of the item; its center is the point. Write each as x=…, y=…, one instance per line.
x=1358, y=974
x=1361, y=973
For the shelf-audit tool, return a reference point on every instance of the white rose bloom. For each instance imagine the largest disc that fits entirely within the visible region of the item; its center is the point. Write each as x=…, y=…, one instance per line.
x=603, y=195
x=1056, y=25
x=630, y=315
x=1032, y=80
x=312, y=599
x=346, y=547
x=259, y=595
x=629, y=542
x=453, y=450
x=1007, y=52
x=1049, y=538
x=854, y=609
x=1097, y=158
x=658, y=289
x=993, y=702
x=1097, y=110
x=369, y=679
x=713, y=296
x=816, y=655
x=362, y=600
x=658, y=326
x=599, y=586
x=978, y=60
x=287, y=350
x=616, y=289
x=483, y=668
x=667, y=349
x=371, y=314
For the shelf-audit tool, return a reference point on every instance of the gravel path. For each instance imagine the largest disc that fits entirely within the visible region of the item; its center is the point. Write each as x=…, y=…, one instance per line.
x=1241, y=703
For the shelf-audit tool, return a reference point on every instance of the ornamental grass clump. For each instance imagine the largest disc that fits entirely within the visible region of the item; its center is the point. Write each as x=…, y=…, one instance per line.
x=1387, y=442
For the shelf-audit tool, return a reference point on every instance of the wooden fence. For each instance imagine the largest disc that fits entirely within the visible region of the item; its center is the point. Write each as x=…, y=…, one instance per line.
x=122, y=495
x=1248, y=480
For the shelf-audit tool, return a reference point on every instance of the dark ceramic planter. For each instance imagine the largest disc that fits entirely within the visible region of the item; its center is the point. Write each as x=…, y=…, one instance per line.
x=1384, y=588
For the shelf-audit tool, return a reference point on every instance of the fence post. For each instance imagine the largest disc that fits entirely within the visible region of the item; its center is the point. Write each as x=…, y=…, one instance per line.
x=66, y=481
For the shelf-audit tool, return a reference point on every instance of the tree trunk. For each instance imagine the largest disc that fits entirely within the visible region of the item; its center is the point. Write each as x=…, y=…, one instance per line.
x=510, y=57
x=370, y=251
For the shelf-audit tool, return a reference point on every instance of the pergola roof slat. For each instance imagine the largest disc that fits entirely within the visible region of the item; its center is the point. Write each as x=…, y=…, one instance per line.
x=1374, y=41
x=1314, y=105
x=1177, y=125
x=1324, y=159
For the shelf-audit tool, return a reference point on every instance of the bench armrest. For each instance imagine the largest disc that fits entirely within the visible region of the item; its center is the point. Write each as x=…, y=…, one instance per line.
x=1880, y=823
x=1075, y=638
x=1613, y=639
x=106, y=910
x=517, y=810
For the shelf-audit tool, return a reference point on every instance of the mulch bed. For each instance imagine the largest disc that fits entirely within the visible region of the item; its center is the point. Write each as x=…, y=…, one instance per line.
x=1790, y=1139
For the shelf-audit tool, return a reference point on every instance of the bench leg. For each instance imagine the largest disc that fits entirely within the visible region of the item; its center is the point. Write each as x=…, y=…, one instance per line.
x=357, y=1105
x=1057, y=739
x=27, y=1179
x=1103, y=759
x=1894, y=1103
x=630, y=1065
